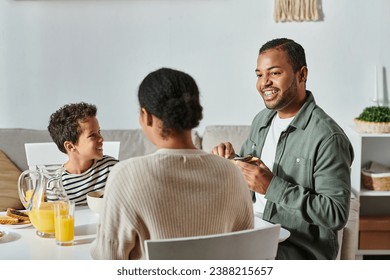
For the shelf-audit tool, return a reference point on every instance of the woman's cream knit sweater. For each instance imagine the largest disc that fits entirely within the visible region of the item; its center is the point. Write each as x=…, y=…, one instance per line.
x=171, y=193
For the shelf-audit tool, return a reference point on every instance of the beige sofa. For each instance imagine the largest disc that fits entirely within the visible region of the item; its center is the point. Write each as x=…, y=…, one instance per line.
x=134, y=143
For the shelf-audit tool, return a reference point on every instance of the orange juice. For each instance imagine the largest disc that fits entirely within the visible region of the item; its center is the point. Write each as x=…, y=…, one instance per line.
x=42, y=217
x=64, y=223
x=64, y=228
x=28, y=196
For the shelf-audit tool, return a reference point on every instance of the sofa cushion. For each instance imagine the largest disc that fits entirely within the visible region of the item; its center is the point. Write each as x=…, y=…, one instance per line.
x=216, y=134
x=351, y=232
x=9, y=174
x=12, y=143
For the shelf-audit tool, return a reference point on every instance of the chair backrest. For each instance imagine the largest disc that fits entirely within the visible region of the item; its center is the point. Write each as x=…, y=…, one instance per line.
x=48, y=153
x=111, y=148
x=253, y=244
x=43, y=154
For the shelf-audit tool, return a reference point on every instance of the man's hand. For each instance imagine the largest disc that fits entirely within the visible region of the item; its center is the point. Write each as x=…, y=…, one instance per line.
x=225, y=150
x=258, y=176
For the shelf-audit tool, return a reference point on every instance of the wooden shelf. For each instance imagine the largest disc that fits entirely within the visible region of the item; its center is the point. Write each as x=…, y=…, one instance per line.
x=369, y=147
x=373, y=252
x=365, y=192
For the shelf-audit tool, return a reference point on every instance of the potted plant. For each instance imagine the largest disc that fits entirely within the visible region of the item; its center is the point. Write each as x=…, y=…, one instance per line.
x=374, y=119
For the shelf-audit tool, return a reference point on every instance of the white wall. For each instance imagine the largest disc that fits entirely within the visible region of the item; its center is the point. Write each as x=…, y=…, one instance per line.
x=59, y=51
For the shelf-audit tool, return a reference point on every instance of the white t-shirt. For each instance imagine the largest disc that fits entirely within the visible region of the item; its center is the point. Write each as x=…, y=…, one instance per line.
x=278, y=125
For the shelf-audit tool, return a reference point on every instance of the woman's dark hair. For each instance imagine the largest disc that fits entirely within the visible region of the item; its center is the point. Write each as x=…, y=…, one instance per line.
x=294, y=51
x=64, y=124
x=173, y=97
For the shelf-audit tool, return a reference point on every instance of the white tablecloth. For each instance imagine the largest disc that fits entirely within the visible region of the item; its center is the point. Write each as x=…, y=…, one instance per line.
x=24, y=244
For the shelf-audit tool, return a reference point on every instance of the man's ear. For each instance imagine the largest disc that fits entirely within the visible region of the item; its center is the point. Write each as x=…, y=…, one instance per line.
x=303, y=74
x=69, y=146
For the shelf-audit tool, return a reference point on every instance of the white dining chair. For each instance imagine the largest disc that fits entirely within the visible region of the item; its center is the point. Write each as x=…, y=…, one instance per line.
x=43, y=154
x=253, y=244
x=48, y=154
x=111, y=148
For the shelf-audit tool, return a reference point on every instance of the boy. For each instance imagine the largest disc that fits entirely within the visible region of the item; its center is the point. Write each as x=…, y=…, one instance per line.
x=75, y=130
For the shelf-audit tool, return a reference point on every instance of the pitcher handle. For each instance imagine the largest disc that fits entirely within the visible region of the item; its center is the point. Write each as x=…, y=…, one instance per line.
x=22, y=195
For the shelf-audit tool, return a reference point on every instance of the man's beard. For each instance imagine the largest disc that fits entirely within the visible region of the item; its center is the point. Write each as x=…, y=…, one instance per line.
x=287, y=96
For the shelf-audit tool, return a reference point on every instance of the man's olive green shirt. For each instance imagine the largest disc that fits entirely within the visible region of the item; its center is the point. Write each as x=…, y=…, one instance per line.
x=310, y=192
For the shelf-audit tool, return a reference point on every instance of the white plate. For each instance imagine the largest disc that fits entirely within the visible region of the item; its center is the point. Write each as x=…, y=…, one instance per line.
x=284, y=233
x=258, y=214
x=4, y=234
x=16, y=225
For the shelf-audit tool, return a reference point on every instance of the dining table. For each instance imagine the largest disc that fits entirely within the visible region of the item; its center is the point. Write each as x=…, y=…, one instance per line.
x=20, y=242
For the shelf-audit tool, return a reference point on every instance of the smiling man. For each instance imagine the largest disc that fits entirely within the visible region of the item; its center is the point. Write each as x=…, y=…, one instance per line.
x=302, y=177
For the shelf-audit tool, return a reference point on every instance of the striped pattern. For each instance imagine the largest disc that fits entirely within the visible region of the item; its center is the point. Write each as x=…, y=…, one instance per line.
x=171, y=193
x=78, y=185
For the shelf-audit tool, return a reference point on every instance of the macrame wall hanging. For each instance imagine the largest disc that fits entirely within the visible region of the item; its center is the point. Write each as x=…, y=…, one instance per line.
x=297, y=10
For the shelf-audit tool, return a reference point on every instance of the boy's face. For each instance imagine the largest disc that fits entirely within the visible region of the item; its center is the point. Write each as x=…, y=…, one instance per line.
x=90, y=142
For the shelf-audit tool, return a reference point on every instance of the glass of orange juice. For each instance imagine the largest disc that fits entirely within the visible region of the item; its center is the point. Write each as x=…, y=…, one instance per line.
x=64, y=223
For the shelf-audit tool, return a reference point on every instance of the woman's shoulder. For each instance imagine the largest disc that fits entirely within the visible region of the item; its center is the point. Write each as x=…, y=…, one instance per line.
x=223, y=163
x=131, y=162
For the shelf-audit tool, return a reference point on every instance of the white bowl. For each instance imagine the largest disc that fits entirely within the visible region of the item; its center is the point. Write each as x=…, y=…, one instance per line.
x=95, y=201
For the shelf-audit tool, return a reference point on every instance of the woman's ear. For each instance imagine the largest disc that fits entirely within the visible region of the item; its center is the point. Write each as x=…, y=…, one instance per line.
x=146, y=117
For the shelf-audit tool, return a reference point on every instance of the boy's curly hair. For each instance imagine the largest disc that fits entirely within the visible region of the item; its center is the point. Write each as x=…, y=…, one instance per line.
x=64, y=124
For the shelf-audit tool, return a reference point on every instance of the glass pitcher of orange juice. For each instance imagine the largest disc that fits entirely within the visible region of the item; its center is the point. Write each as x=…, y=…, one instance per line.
x=39, y=190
